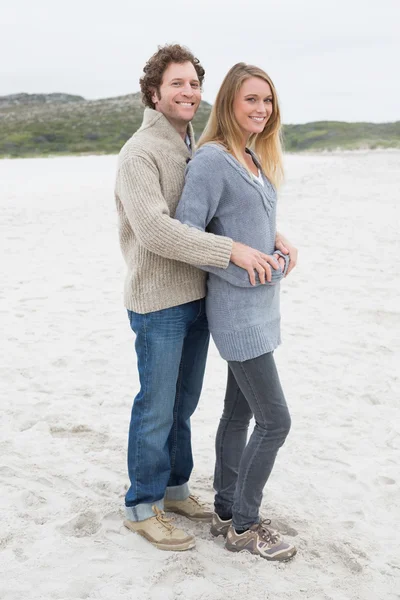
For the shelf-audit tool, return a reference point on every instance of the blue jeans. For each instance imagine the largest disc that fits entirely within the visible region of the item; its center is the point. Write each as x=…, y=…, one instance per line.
x=243, y=467
x=171, y=347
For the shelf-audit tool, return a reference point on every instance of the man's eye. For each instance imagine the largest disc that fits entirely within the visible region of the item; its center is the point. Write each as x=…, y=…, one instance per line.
x=195, y=86
x=176, y=83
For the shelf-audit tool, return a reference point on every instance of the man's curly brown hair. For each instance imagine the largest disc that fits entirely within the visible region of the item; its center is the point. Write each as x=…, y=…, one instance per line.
x=156, y=65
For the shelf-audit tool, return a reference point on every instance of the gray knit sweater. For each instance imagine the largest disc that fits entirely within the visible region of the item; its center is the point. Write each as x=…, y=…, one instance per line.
x=220, y=196
x=150, y=177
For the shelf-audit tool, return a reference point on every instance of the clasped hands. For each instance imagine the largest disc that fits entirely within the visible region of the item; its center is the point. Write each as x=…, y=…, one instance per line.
x=254, y=261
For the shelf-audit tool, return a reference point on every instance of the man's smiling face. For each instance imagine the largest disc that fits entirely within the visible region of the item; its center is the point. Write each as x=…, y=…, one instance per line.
x=179, y=94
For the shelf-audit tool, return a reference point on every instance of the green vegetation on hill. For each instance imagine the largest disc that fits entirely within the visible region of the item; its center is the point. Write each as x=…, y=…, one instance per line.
x=329, y=135
x=38, y=125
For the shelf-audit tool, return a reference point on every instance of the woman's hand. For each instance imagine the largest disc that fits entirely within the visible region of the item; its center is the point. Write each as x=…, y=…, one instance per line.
x=282, y=244
x=280, y=260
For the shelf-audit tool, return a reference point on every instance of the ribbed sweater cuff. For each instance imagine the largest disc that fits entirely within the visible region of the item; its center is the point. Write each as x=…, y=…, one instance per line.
x=223, y=250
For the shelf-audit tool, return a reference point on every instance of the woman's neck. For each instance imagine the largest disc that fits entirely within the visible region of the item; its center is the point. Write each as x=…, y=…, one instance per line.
x=247, y=157
x=243, y=145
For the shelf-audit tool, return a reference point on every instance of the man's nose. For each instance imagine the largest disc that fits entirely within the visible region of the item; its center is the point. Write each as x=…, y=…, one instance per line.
x=187, y=90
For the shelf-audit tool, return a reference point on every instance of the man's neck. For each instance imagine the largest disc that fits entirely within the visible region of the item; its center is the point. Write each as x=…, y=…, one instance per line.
x=180, y=126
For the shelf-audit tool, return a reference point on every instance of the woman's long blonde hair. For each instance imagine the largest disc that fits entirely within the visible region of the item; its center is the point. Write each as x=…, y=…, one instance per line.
x=223, y=128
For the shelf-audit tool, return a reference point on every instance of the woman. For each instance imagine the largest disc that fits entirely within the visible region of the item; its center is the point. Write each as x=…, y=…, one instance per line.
x=230, y=190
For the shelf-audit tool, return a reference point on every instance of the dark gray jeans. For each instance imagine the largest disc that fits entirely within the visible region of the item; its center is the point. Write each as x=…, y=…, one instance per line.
x=242, y=470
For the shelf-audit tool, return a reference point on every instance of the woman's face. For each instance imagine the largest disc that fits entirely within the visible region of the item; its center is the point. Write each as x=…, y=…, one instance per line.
x=253, y=106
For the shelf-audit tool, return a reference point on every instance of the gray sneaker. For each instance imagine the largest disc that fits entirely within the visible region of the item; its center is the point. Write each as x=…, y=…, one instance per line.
x=261, y=540
x=218, y=526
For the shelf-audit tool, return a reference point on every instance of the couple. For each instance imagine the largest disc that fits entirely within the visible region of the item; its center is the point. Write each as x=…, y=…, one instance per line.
x=211, y=231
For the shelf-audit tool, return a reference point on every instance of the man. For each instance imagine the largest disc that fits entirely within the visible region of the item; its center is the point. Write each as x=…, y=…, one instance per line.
x=164, y=296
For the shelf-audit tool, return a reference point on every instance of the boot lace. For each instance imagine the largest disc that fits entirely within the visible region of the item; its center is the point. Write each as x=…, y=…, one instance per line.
x=162, y=519
x=197, y=500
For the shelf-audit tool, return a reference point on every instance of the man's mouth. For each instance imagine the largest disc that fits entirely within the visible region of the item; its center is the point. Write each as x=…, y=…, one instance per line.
x=186, y=103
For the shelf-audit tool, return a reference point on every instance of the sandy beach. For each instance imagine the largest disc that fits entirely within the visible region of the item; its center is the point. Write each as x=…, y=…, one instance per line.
x=68, y=378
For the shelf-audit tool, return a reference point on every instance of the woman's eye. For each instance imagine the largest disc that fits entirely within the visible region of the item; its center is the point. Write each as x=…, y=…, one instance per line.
x=251, y=99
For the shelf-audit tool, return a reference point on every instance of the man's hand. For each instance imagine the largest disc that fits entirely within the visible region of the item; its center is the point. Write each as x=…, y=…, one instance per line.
x=250, y=259
x=282, y=244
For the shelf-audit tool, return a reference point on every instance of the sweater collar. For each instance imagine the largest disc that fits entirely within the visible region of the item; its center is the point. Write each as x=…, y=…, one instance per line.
x=163, y=128
x=267, y=190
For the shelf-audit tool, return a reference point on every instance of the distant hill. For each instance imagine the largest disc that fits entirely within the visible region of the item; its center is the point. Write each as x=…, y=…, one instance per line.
x=330, y=135
x=24, y=99
x=42, y=124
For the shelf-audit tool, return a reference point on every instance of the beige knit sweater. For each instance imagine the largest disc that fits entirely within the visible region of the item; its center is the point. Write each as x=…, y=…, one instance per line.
x=156, y=247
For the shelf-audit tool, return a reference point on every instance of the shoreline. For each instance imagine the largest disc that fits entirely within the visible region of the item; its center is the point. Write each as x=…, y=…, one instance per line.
x=311, y=152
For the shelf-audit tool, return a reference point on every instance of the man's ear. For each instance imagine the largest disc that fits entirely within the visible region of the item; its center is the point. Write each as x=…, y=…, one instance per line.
x=154, y=96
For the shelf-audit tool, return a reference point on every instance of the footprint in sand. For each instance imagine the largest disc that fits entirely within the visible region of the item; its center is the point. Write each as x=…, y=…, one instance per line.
x=77, y=430
x=83, y=525
x=284, y=528
x=81, y=432
x=346, y=554
x=182, y=572
x=348, y=524
x=60, y=362
x=20, y=555
x=7, y=471
x=96, y=362
x=32, y=500
x=382, y=480
x=177, y=567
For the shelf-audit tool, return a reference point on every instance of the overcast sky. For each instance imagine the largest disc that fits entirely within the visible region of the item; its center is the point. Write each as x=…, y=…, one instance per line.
x=335, y=60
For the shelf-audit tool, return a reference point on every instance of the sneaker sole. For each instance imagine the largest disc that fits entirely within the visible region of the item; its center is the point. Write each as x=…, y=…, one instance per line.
x=185, y=545
x=272, y=559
